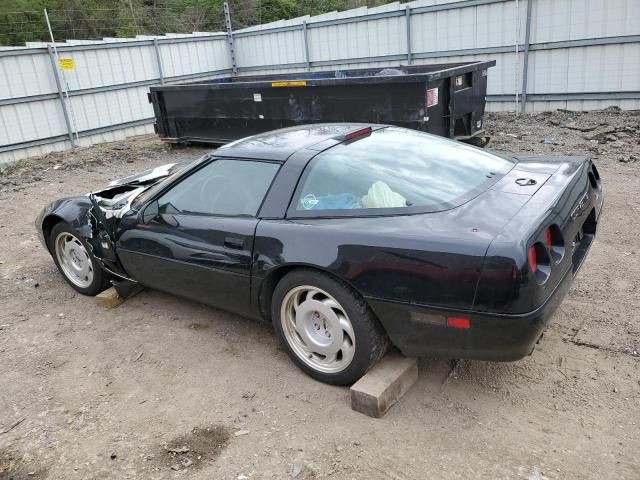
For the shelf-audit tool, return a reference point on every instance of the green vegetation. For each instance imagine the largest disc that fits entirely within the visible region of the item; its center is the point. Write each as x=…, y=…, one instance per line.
x=23, y=20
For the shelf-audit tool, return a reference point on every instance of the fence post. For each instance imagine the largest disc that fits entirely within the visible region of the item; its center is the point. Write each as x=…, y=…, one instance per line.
x=65, y=109
x=525, y=65
x=232, y=50
x=306, y=45
x=408, y=17
x=159, y=60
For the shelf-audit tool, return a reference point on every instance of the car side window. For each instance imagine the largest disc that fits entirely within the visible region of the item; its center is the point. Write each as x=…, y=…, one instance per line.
x=223, y=187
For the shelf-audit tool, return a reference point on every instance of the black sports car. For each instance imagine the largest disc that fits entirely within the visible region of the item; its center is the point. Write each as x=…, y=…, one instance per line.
x=349, y=238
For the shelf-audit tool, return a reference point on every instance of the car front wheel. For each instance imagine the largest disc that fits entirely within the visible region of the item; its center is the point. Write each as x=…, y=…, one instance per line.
x=326, y=327
x=74, y=260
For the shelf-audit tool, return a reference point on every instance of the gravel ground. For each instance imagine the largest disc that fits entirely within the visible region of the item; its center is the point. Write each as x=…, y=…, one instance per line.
x=163, y=388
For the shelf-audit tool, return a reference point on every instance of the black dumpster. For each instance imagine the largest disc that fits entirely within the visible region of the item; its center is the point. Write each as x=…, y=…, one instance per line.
x=443, y=99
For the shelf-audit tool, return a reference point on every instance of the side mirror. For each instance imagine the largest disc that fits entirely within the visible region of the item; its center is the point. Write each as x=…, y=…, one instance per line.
x=169, y=220
x=151, y=212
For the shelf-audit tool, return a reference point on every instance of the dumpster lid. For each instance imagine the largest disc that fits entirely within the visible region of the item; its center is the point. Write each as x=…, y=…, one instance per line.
x=380, y=75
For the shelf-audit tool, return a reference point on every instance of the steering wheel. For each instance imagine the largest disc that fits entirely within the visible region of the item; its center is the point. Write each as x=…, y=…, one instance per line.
x=214, y=190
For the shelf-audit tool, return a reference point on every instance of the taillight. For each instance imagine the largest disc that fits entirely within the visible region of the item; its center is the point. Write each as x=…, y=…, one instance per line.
x=555, y=243
x=547, y=238
x=459, y=322
x=539, y=258
x=533, y=259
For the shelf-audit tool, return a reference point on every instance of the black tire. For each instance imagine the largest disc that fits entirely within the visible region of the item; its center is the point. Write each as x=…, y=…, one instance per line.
x=371, y=341
x=99, y=281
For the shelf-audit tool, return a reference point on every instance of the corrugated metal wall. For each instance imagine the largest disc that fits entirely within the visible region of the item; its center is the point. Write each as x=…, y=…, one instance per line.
x=107, y=88
x=582, y=54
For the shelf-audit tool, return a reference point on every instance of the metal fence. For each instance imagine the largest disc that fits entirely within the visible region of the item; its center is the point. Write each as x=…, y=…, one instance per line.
x=574, y=54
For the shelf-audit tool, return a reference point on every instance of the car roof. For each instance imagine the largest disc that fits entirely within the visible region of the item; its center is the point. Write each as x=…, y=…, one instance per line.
x=280, y=144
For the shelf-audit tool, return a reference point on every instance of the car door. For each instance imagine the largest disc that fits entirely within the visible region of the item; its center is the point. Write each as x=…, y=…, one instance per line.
x=199, y=241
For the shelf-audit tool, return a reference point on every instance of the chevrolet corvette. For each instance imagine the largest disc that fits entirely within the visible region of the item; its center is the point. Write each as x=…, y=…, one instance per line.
x=349, y=238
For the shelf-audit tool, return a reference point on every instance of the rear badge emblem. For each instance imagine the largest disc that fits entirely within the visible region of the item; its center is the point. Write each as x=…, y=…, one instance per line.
x=526, y=182
x=582, y=205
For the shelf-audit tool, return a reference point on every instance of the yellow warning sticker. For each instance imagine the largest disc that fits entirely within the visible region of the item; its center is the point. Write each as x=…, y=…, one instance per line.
x=293, y=83
x=67, y=63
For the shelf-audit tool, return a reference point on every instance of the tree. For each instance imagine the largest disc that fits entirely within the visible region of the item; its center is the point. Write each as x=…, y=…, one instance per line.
x=23, y=20
x=273, y=10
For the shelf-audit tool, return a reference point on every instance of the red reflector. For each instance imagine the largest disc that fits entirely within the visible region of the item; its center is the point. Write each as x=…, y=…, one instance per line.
x=357, y=133
x=458, y=322
x=533, y=259
x=547, y=238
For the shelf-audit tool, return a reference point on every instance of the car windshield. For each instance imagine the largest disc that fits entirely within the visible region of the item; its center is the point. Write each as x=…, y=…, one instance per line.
x=177, y=170
x=397, y=168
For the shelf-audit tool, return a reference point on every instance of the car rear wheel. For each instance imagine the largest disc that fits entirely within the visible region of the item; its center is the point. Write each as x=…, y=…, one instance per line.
x=74, y=260
x=326, y=328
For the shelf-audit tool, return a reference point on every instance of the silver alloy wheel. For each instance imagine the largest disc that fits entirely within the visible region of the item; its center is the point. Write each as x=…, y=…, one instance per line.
x=318, y=329
x=74, y=260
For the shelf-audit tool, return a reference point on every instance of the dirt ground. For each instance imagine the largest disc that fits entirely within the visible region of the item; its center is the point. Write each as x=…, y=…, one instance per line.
x=163, y=388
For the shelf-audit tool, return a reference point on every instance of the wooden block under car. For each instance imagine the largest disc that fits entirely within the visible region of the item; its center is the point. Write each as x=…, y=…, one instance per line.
x=382, y=386
x=109, y=298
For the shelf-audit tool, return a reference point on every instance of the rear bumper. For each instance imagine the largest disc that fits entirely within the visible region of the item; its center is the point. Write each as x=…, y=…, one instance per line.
x=422, y=331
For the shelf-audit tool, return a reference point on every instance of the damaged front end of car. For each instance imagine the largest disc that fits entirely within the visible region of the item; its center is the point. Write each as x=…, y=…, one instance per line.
x=107, y=207
x=96, y=215
x=110, y=204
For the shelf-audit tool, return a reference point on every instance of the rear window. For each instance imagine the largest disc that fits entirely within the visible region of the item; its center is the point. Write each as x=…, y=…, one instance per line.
x=395, y=170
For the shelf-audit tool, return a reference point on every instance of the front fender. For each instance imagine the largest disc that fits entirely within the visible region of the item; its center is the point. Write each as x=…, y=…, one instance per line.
x=71, y=210
x=77, y=212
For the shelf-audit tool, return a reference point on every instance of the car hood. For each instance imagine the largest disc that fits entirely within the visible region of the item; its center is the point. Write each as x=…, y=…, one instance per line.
x=151, y=175
x=116, y=199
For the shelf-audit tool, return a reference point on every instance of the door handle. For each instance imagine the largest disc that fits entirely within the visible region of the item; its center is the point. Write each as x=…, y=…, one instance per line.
x=234, y=242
